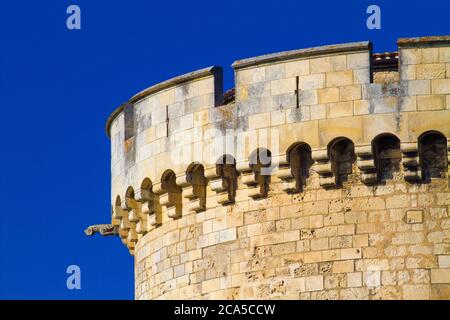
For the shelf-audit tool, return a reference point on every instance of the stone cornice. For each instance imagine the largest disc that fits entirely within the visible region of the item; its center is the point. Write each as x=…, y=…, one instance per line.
x=301, y=53
x=422, y=41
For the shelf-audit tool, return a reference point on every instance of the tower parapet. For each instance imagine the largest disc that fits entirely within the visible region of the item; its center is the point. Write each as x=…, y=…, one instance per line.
x=326, y=176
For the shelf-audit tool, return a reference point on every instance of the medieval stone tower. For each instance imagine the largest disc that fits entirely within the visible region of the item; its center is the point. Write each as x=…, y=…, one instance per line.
x=322, y=175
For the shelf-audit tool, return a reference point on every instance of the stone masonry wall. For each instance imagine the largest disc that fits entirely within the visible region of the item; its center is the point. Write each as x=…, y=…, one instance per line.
x=354, y=201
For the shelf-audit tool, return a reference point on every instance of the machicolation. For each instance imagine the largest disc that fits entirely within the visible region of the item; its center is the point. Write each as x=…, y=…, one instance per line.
x=322, y=175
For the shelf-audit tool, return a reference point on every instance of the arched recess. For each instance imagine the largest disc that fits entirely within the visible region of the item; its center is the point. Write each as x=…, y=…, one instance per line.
x=196, y=191
x=387, y=155
x=131, y=210
x=223, y=179
x=172, y=198
x=433, y=155
x=116, y=214
x=300, y=161
x=341, y=152
x=150, y=208
x=260, y=162
x=120, y=220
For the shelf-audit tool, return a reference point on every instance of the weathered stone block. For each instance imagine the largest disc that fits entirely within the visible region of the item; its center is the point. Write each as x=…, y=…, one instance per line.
x=430, y=71
x=440, y=275
x=440, y=86
x=339, y=78
x=320, y=65
x=352, y=92
x=340, y=109
x=414, y=216
x=327, y=95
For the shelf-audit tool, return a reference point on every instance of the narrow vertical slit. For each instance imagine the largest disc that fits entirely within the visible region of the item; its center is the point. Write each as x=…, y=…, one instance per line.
x=167, y=121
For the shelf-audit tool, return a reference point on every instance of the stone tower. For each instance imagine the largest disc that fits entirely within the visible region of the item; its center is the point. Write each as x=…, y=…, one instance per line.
x=322, y=175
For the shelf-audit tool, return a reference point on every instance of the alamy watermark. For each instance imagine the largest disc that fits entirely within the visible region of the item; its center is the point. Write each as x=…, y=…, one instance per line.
x=374, y=20
x=73, y=21
x=74, y=278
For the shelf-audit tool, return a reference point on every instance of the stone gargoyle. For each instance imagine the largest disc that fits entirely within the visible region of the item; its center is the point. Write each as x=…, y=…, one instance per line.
x=103, y=229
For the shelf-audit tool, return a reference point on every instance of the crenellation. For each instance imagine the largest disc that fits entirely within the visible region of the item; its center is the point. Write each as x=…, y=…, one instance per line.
x=325, y=176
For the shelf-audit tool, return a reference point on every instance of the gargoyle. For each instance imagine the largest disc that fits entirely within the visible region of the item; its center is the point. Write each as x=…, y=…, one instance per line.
x=103, y=229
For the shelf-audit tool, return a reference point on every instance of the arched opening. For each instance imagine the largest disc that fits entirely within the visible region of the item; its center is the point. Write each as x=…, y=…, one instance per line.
x=118, y=201
x=433, y=155
x=387, y=155
x=196, y=177
x=150, y=206
x=341, y=152
x=260, y=162
x=173, y=200
x=129, y=194
x=226, y=168
x=300, y=161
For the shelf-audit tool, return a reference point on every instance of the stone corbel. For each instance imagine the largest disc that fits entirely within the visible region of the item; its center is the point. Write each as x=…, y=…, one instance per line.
x=146, y=216
x=222, y=185
x=256, y=185
x=136, y=212
x=150, y=210
x=284, y=173
x=411, y=161
x=366, y=164
x=169, y=199
x=131, y=217
x=121, y=214
x=194, y=191
x=322, y=166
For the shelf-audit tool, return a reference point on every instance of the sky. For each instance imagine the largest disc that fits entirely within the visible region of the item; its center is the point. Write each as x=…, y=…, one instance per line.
x=58, y=86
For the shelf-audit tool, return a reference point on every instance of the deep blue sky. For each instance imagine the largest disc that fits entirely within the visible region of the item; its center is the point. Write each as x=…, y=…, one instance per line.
x=57, y=87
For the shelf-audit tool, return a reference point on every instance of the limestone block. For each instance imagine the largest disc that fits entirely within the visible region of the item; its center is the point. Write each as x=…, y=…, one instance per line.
x=314, y=283
x=327, y=95
x=343, y=266
x=340, y=109
x=320, y=65
x=311, y=82
x=296, y=285
x=411, y=56
x=361, y=107
x=430, y=71
x=351, y=253
x=282, y=86
x=319, y=111
x=274, y=72
x=352, y=92
x=444, y=261
x=444, y=54
x=338, y=62
x=414, y=216
x=260, y=120
x=362, y=76
x=358, y=60
x=339, y=78
x=440, y=86
x=440, y=275
x=420, y=122
x=351, y=128
x=354, y=279
x=297, y=68
x=430, y=55
x=419, y=87
x=408, y=72
x=407, y=103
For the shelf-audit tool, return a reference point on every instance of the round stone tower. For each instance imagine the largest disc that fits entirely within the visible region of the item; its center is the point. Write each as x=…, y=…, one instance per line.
x=322, y=175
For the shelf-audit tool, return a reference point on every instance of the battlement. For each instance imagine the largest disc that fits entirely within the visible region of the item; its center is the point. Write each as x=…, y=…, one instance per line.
x=324, y=159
